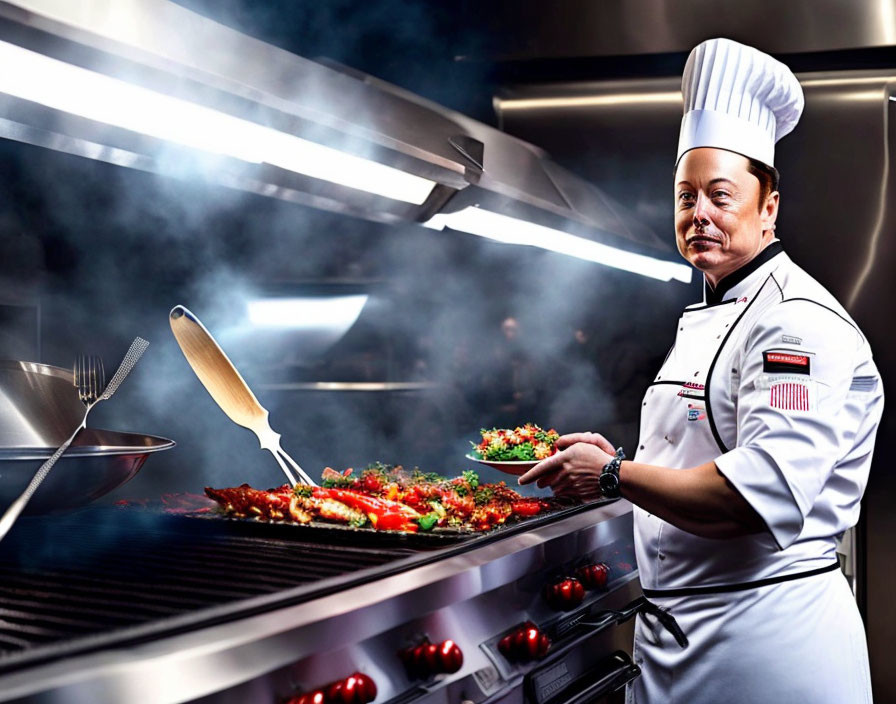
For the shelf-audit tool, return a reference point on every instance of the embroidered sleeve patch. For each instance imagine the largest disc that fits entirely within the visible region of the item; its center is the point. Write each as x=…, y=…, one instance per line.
x=785, y=362
x=790, y=396
x=863, y=383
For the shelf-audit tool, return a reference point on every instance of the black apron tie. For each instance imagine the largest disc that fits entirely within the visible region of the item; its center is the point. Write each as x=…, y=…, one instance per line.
x=666, y=620
x=742, y=586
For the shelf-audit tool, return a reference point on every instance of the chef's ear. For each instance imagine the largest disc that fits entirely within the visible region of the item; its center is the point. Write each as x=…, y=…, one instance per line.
x=768, y=212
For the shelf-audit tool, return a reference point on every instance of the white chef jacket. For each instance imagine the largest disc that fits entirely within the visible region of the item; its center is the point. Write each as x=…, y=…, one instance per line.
x=776, y=384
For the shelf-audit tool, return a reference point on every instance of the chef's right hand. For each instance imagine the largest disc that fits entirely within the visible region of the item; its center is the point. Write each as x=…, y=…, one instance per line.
x=572, y=472
x=597, y=439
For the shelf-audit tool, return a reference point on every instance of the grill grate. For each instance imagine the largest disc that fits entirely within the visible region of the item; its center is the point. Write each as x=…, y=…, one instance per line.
x=96, y=572
x=115, y=577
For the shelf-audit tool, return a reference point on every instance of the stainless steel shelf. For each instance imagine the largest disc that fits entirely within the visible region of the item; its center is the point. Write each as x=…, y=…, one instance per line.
x=352, y=386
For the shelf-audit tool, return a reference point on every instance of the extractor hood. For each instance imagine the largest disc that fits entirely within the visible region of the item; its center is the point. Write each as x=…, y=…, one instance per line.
x=148, y=84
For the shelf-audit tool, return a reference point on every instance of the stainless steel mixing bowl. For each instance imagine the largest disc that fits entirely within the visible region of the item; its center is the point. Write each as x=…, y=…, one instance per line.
x=39, y=405
x=97, y=462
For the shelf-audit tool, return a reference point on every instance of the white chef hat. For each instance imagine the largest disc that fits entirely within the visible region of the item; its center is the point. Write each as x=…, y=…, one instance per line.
x=737, y=98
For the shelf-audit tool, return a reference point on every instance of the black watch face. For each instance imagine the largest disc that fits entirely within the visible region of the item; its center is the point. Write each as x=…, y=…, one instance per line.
x=609, y=482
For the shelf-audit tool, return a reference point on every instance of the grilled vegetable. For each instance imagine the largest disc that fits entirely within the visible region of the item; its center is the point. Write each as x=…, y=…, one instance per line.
x=328, y=509
x=385, y=498
x=527, y=507
x=383, y=513
x=366, y=502
x=428, y=521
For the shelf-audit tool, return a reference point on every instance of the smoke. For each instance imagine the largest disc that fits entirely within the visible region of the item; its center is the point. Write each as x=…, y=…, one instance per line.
x=122, y=247
x=137, y=244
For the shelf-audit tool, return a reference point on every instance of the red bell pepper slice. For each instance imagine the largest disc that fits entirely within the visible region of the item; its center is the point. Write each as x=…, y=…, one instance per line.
x=366, y=503
x=383, y=514
x=526, y=507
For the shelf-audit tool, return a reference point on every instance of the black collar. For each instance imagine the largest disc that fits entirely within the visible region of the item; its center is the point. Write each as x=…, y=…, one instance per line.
x=717, y=295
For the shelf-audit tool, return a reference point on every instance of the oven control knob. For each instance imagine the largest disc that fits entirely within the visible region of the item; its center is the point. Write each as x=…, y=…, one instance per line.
x=357, y=688
x=451, y=657
x=428, y=659
x=315, y=697
x=565, y=595
x=525, y=642
x=593, y=576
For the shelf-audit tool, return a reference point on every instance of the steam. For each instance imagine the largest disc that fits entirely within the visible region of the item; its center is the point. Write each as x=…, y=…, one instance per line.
x=136, y=244
x=121, y=247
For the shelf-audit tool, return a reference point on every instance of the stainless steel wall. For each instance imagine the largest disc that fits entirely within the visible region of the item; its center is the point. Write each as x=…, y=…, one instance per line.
x=836, y=221
x=526, y=29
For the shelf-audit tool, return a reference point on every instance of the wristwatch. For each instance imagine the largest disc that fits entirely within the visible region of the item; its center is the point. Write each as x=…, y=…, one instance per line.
x=609, y=477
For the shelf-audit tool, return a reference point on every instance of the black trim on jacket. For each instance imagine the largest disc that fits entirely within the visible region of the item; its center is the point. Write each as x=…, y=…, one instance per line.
x=717, y=294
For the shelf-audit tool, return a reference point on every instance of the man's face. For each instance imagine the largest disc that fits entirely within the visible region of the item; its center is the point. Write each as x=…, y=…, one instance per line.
x=510, y=328
x=719, y=225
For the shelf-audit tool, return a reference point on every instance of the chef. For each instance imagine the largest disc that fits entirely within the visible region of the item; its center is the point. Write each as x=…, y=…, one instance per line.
x=756, y=434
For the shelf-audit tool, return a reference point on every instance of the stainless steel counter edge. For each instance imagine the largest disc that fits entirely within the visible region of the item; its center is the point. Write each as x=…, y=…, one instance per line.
x=177, y=668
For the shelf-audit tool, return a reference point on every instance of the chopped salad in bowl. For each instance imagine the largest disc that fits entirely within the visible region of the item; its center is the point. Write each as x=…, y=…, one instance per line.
x=514, y=450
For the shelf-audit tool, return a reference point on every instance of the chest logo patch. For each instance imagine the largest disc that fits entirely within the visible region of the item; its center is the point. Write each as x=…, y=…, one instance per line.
x=785, y=362
x=691, y=388
x=696, y=411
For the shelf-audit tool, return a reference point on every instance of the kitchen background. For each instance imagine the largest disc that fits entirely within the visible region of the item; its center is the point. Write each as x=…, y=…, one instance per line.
x=488, y=334
x=472, y=332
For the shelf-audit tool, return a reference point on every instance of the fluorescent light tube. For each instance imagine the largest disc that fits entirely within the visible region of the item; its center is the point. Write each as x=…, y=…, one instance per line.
x=307, y=313
x=503, y=228
x=95, y=96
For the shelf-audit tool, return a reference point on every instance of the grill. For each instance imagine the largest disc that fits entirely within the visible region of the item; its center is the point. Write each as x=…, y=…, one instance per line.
x=64, y=582
x=106, y=605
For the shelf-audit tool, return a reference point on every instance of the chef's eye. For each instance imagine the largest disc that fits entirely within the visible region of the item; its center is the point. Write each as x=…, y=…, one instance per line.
x=685, y=197
x=720, y=194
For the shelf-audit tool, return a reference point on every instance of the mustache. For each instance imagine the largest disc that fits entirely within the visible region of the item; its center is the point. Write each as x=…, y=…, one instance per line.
x=703, y=236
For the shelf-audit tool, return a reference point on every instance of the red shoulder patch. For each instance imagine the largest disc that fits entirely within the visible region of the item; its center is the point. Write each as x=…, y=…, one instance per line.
x=785, y=363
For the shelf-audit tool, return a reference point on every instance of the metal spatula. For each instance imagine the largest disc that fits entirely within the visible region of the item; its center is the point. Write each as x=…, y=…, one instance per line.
x=89, y=383
x=221, y=379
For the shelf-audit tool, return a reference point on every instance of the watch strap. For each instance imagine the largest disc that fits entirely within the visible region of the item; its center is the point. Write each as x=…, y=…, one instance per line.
x=612, y=467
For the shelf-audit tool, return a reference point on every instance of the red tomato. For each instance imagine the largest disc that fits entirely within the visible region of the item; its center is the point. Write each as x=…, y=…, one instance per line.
x=371, y=483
